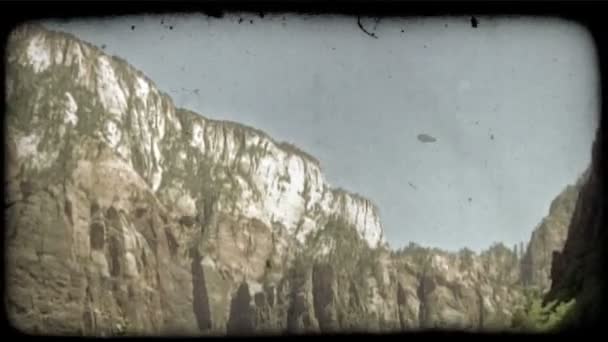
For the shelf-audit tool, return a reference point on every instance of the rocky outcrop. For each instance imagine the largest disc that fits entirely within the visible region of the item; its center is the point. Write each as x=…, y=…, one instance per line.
x=126, y=215
x=577, y=271
x=548, y=238
x=463, y=290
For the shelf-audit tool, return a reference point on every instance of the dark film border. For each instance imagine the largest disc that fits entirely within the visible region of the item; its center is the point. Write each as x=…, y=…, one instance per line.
x=589, y=14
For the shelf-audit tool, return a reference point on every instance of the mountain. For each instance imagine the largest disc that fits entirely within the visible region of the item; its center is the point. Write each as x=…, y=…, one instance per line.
x=576, y=270
x=548, y=238
x=128, y=215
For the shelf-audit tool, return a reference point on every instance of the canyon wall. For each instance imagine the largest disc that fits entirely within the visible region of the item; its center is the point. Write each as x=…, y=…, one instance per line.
x=127, y=215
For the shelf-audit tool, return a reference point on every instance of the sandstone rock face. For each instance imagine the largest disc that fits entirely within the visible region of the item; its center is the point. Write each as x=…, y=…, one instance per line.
x=577, y=271
x=127, y=215
x=548, y=238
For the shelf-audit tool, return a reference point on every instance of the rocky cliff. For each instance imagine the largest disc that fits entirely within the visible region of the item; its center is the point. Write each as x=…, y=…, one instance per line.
x=549, y=238
x=128, y=215
x=577, y=271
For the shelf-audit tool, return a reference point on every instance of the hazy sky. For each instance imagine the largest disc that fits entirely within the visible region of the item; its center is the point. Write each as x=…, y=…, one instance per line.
x=512, y=105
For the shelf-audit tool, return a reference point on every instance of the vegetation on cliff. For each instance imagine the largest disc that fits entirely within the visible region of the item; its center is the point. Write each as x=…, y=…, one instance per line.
x=534, y=316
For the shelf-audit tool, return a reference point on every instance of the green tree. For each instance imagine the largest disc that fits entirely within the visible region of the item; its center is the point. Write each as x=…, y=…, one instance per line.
x=533, y=316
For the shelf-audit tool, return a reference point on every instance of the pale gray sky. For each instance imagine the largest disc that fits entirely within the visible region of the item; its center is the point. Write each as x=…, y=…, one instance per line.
x=512, y=105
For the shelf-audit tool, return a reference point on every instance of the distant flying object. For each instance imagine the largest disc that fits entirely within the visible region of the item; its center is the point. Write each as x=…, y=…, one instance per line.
x=425, y=138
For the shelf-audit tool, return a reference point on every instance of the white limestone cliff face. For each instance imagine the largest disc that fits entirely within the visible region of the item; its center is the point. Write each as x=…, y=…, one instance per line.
x=277, y=184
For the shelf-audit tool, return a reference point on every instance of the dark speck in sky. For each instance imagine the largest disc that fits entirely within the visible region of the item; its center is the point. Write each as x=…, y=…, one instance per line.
x=132, y=27
x=240, y=20
x=425, y=138
x=103, y=46
x=170, y=27
x=492, y=136
x=470, y=199
x=261, y=14
x=474, y=22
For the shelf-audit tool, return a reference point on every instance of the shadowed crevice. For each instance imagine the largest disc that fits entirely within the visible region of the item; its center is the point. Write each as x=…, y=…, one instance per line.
x=200, y=299
x=323, y=296
x=241, y=313
x=401, y=304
